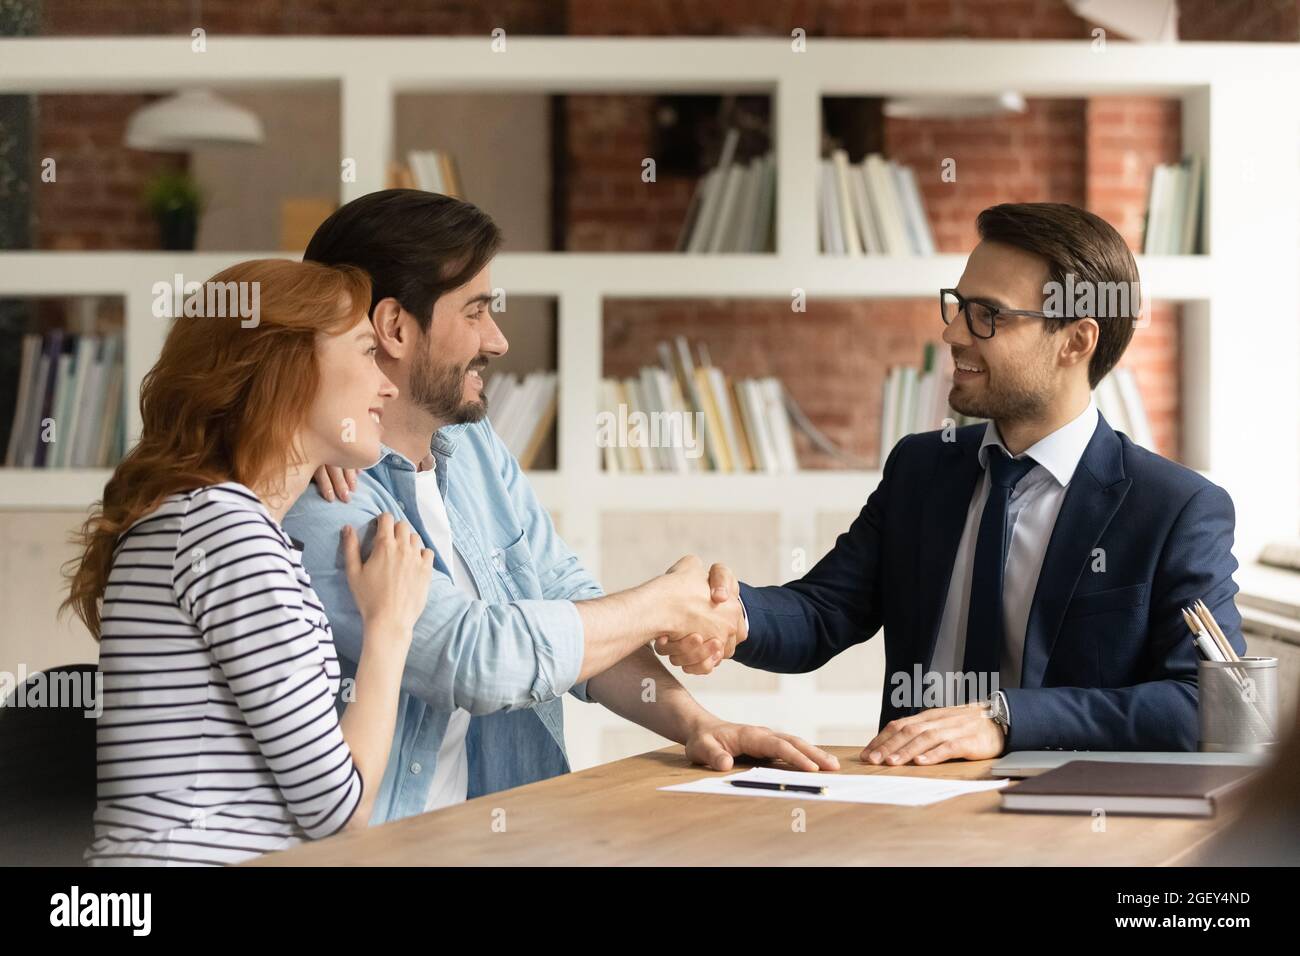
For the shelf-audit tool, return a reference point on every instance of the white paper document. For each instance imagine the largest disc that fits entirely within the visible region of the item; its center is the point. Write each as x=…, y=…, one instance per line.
x=844, y=788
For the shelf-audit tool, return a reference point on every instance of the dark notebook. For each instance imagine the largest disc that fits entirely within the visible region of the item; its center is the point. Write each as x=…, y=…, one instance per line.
x=1084, y=786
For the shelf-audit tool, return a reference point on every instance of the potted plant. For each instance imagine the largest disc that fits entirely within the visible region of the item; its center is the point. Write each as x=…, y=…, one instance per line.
x=174, y=199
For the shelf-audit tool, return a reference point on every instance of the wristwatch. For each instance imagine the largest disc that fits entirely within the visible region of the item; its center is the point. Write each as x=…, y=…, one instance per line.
x=999, y=712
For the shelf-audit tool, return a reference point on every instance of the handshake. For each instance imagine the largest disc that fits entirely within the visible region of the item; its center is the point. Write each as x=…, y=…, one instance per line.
x=703, y=613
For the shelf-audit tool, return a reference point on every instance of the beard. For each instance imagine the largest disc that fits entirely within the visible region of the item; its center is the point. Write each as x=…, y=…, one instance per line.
x=440, y=390
x=1012, y=397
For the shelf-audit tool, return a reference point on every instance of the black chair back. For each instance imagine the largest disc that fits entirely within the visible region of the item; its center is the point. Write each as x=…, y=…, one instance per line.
x=47, y=768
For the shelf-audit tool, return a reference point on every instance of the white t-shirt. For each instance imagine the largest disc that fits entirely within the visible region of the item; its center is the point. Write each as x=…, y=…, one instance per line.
x=451, y=775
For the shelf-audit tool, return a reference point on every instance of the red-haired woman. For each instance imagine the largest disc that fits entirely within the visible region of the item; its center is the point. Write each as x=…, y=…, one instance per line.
x=219, y=738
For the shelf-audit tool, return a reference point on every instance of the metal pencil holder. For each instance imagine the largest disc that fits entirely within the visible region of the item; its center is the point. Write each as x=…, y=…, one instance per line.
x=1238, y=704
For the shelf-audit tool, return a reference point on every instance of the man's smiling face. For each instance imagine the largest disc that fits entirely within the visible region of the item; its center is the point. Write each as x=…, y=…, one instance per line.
x=1013, y=375
x=446, y=375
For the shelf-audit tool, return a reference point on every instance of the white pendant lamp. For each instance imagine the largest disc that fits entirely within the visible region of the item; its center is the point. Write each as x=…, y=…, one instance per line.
x=190, y=119
x=1145, y=21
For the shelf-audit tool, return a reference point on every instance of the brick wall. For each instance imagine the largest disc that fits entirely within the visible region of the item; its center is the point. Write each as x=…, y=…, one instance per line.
x=934, y=19
x=1239, y=20
x=303, y=17
x=1035, y=156
x=607, y=208
x=95, y=201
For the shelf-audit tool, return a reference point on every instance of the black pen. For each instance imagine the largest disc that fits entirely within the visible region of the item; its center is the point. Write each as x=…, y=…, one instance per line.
x=792, y=787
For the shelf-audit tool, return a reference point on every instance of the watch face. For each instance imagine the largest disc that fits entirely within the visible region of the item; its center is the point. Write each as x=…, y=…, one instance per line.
x=997, y=709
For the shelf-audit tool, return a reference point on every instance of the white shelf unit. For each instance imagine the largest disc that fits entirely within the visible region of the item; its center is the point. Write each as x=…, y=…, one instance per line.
x=1241, y=344
x=569, y=276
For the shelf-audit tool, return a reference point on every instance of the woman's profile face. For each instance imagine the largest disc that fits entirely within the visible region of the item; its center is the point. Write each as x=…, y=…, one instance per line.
x=344, y=423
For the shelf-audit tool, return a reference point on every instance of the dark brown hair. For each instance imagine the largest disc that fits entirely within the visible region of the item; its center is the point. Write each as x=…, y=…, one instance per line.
x=1074, y=242
x=415, y=245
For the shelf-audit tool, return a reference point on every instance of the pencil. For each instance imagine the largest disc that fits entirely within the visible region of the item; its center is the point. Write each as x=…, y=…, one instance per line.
x=1213, y=627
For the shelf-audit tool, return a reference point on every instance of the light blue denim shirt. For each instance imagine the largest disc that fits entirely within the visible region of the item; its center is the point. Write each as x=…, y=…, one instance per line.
x=507, y=658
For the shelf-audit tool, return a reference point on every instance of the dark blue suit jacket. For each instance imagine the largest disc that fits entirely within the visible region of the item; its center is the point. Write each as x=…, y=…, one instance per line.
x=1108, y=662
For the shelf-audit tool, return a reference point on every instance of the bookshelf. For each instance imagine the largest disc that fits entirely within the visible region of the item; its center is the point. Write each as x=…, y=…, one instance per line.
x=564, y=275
x=1241, y=305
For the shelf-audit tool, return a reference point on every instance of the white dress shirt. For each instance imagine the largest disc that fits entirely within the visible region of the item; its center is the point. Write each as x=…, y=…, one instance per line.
x=451, y=773
x=1031, y=516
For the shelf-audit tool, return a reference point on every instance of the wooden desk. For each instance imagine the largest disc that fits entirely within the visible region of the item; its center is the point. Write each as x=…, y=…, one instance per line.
x=613, y=815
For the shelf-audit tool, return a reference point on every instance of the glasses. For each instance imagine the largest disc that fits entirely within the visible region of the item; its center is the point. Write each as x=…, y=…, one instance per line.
x=981, y=319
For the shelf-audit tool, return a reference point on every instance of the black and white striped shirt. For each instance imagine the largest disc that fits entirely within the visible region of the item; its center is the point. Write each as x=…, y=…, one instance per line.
x=219, y=739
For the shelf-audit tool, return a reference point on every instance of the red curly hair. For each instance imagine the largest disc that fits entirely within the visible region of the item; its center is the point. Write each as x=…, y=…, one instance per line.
x=224, y=402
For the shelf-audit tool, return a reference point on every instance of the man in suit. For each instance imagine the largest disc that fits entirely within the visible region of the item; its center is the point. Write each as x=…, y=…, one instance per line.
x=1028, y=572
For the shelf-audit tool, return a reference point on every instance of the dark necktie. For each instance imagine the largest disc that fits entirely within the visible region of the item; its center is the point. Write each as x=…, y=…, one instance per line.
x=984, y=622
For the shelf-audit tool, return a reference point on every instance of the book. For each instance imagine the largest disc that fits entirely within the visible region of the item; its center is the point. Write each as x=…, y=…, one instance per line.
x=1134, y=410
x=111, y=433
x=433, y=170
x=713, y=228
x=693, y=212
x=614, y=455
x=1156, y=210
x=915, y=399
x=741, y=236
x=833, y=231
x=683, y=366
x=733, y=433
x=884, y=199
x=722, y=456
x=740, y=435
x=38, y=447
x=1170, y=789
x=863, y=216
x=1172, y=224
x=27, y=378
x=62, y=414
x=756, y=425
x=523, y=411
x=778, y=423
x=761, y=239
x=540, y=426
x=702, y=222
x=694, y=419
x=87, y=346
x=687, y=443
x=915, y=205
x=1189, y=241
x=844, y=202
x=73, y=382
x=652, y=404
x=910, y=227
x=450, y=174
x=637, y=403
x=721, y=237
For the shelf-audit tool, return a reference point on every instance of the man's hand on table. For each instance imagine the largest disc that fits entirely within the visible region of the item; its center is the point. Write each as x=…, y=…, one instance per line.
x=716, y=745
x=965, y=732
